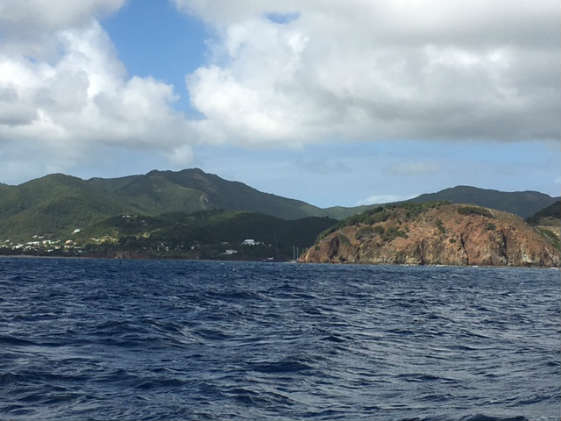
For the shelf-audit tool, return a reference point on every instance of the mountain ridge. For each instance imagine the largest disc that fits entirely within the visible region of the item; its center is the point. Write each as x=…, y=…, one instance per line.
x=523, y=203
x=58, y=203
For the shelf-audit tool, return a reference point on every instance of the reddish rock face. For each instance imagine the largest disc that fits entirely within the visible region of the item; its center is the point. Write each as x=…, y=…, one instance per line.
x=443, y=234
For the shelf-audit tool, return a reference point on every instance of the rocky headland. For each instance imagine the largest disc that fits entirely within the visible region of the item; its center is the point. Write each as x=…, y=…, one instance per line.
x=434, y=234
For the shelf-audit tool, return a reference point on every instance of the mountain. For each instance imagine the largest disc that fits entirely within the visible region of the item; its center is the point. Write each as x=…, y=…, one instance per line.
x=58, y=204
x=524, y=203
x=342, y=212
x=213, y=234
x=550, y=215
x=434, y=233
x=52, y=204
x=192, y=190
x=548, y=222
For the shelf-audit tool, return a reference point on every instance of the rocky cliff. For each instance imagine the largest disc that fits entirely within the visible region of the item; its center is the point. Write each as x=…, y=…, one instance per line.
x=434, y=233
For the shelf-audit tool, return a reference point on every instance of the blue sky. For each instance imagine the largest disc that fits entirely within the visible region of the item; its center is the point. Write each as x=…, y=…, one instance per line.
x=153, y=39
x=332, y=104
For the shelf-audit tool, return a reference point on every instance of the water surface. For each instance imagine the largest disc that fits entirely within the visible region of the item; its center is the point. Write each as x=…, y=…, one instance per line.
x=139, y=340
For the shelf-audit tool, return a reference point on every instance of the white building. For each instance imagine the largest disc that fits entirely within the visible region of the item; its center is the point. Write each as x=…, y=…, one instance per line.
x=250, y=242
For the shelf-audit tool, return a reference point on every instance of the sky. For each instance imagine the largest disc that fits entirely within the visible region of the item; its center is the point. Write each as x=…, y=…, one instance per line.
x=332, y=102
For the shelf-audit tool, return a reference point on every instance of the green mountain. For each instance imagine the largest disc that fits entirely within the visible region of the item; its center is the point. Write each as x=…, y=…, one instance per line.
x=210, y=226
x=342, y=212
x=57, y=204
x=524, y=203
x=192, y=190
x=548, y=215
x=204, y=234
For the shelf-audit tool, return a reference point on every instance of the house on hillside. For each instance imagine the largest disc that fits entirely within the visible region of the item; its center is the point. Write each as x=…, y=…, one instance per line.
x=250, y=242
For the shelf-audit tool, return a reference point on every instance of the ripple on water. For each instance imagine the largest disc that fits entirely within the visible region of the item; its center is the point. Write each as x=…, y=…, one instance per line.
x=99, y=339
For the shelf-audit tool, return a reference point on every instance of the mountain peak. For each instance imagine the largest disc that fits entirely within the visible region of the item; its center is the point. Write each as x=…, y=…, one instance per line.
x=184, y=171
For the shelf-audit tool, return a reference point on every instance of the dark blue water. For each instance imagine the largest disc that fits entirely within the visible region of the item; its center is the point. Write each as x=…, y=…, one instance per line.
x=168, y=340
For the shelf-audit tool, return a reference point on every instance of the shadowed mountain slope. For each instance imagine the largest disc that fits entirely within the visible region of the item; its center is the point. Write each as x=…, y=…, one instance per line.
x=523, y=203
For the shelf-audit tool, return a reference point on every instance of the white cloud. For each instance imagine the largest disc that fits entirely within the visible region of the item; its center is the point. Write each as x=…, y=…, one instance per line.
x=27, y=27
x=383, y=198
x=379, y=70
x=78, y=97
x=285, y=73
x=52, y=14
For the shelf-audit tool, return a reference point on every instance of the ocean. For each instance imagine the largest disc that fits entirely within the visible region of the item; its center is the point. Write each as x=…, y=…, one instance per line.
x=87, y=339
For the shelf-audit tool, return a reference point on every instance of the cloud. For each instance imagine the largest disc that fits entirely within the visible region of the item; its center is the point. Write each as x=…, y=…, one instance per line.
x=290, y=74
x=366, y=70
x=41, y=15
x=27, y=27
x=85, y=95
x=383, y=198
x=79, y=95
x=414, y=168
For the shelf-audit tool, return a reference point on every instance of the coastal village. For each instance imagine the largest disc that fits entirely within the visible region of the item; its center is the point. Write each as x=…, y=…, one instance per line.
x=42, y=245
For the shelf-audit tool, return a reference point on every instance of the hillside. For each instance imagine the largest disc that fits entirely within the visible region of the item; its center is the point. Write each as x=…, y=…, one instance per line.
x=193, y=190
x=201, y=235
x=51, y=205
x=57, y=204
x=548, y=222
x=523, y=203
x=434, y=233
x=551, y=215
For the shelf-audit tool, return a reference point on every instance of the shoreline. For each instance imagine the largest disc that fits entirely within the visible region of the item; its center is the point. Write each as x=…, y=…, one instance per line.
x=26, y=256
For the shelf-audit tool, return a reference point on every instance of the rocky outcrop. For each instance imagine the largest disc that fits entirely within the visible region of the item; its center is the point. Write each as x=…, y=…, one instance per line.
x=445, y=234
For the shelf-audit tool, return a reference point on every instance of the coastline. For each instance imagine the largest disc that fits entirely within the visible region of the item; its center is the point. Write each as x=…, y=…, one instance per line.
x=25, y=256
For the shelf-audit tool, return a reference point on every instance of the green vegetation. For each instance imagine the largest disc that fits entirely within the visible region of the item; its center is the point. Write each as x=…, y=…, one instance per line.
x=548, y=217
x=412, y=210
x=473, y=210
x=343, y=240
x=440, y=226
x=364, y=232
x=380, y=214
x=369, y=217
x=205, y=234
x=524, y=203
x=550, y=214
x=491, y=227
x=392, y=233
x=550, y=236
x=184, y=207
x=213, y=234
x=57, y=204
